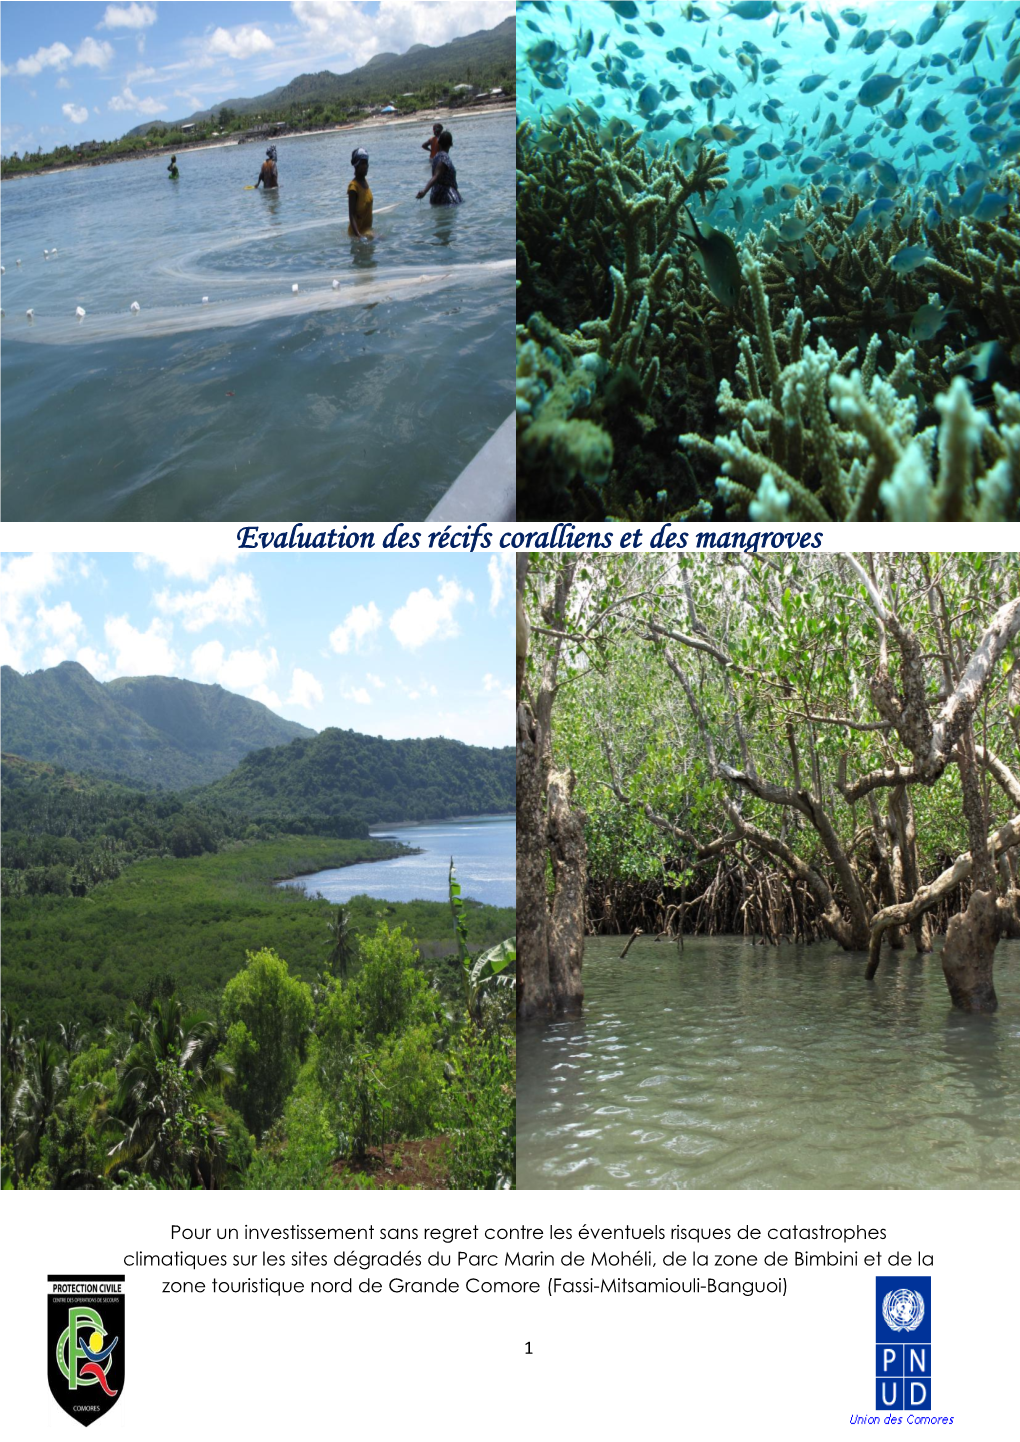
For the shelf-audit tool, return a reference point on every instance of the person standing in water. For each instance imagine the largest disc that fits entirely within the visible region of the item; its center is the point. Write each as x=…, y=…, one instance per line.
x=269, y=176
x=432, y=144
x=172, y=170
x=359, y=198
x=443, y=184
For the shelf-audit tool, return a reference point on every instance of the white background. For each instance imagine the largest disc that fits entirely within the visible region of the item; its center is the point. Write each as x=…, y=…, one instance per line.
x=601, y=1367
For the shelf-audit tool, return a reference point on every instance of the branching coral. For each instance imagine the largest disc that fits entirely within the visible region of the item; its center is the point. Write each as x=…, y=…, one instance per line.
x=829, y=441
x=770, y=408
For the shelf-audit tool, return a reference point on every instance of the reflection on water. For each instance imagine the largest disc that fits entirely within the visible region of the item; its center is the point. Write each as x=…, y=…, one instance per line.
x=229, y=395
x=733, y=1065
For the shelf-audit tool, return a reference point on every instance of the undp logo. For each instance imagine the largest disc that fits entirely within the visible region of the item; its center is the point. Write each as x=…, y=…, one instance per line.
x=903, y=1310
x=903, y=1344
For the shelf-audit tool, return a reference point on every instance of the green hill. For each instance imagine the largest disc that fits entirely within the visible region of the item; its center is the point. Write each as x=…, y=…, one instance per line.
x=483, y=59
x=367, y=777
x=147, y=730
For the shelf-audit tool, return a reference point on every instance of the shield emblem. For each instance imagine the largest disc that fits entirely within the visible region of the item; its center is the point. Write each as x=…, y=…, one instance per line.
x=85, y=1342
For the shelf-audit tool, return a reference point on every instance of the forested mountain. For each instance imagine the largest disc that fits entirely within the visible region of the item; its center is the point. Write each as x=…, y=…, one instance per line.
x=148, y=730
x=342, y=772
x=483, y=59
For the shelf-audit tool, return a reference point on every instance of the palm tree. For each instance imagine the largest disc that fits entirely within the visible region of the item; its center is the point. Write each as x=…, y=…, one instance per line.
x=39, y=1093
x=169, y=1068
x=344, y=943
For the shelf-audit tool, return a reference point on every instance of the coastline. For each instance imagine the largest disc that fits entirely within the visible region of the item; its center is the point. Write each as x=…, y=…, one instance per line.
x=439, y=820
x=376, y=123
x=362, y=861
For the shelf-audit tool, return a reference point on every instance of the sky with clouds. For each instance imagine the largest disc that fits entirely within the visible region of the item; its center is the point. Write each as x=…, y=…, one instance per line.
x=80, y=71
x=408, y=646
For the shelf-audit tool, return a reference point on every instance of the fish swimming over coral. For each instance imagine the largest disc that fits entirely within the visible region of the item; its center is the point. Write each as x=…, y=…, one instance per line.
x=861, y=160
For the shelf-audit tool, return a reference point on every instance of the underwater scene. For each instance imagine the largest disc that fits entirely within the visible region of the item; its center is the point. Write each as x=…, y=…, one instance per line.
x=768, y=260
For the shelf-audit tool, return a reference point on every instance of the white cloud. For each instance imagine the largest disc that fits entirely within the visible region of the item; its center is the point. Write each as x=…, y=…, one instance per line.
x=23, y=580
x=194, y=559
x=77, y=114
x=27, y=576
x=232, y=600
x=63, y=623
x=358, y=695
x=424, y=617
x=240, y=670
x=141, y=653
x=415, y=693
x=356, y=627
x=490, y=683
x=63, y=83
x=127, y=17
x=337, y=26
x=47, y=56
x=97, y=663
x=240, y=43
x=266, y=696
x=305, y=690
x=501, y=578
x=144, y=72
x=127, y=100
x=97, y=53
x=376, y=681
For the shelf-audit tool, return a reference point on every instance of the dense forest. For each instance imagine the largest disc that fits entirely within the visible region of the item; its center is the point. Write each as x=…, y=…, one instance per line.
x=379, y=1071
x=345, y=773
x=784, y=748
x=173, y=1017
x=147, y=730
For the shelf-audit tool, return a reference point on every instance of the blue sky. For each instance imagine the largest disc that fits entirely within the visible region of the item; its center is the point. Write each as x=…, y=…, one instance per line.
x=82, y=71
x=391, y=645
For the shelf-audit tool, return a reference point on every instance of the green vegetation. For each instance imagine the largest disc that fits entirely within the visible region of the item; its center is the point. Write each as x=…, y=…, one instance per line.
x=64, y=834
x=783, y=747
x=195, y=918
x=174, y=1017
x=344, y=773
x=146, y=730
x=287, y=1085
x=425, y=78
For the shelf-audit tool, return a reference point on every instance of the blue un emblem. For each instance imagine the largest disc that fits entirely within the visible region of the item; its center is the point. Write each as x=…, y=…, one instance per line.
x=903, y=1344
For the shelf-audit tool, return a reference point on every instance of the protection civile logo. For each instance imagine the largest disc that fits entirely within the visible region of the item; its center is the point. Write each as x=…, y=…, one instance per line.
x=85, y=1342
x=903, y=1344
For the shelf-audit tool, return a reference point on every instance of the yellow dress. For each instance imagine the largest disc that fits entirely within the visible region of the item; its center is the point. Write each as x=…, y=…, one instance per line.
x=362, y=206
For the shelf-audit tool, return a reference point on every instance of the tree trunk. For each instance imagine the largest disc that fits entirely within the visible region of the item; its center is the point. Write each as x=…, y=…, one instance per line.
x=969, y=954
x=533, y=987
x=570, y=878
x=550, y=930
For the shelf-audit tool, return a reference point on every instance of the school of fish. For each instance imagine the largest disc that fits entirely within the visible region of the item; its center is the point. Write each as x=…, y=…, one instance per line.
x=927, y=128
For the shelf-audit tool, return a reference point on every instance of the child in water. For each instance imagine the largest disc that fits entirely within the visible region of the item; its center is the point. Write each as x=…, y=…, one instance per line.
x=443, y=184
x=172, y=170
x=359, y=198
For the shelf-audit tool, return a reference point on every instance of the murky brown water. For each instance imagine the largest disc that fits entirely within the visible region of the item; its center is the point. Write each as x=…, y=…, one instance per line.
x=778, y=1067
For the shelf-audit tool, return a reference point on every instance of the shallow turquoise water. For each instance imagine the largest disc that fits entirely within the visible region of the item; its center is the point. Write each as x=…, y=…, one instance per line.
x=334, y=409
x=734, y=1066
x=484, y=854
x=673, y=72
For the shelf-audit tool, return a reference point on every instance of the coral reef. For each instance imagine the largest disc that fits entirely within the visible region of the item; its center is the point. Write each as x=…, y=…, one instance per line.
x=773, y=418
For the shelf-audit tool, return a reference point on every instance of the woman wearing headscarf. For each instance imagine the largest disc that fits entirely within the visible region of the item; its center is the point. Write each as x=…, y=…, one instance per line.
x=359, y=198
x=443, y=184
x=269, y=176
